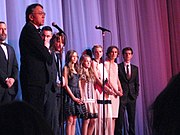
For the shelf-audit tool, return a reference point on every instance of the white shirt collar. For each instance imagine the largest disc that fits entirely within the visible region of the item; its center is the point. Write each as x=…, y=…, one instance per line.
x=5, y=50
x=125, y=63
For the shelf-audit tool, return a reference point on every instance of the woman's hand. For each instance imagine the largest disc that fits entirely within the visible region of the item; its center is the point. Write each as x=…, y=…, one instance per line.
x=118, y=93
x=109, y=91
x=77, y=100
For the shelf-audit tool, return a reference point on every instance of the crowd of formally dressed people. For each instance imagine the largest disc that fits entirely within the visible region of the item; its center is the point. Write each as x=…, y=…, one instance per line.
x=89, y=87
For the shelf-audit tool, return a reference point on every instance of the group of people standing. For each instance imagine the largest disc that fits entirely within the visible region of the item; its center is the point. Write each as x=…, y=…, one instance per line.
x=121, y=88
x=95, y=90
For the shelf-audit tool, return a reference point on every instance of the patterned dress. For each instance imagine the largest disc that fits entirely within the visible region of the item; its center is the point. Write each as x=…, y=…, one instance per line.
x=71, y=107
x=89, y=97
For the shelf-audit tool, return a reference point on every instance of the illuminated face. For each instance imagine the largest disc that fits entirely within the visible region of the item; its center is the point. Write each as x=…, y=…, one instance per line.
x=59, y=44
x=113, y=54
x=38, y=16
x=87, y=62
x=3, y=32
x=46, y=36
x=98, y=53
x=127, y=55
x=74, y=58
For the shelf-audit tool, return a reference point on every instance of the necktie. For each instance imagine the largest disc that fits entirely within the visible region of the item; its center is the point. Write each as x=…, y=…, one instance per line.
x=128, y=74
x=39, y=30
x=58, y=64
x=3, y=43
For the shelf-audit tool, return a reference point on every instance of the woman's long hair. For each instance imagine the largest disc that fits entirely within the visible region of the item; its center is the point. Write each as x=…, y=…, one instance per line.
x=83, y=74
x=109, y=50
x=69, y=64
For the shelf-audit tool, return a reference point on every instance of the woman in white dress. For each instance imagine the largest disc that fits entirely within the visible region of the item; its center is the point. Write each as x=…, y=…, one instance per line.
x=113, y=81
x=98, y=67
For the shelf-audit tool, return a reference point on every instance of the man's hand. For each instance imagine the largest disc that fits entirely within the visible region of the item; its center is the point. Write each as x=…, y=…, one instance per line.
x=10, y=82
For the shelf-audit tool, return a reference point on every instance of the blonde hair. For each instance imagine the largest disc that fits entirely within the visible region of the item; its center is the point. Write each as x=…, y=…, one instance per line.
x=96, y=46
x=83, y=74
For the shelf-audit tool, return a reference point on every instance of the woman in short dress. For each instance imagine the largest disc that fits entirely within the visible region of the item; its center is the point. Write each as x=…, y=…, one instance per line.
x=88, y=93
x=113, y=81
x=74, y=106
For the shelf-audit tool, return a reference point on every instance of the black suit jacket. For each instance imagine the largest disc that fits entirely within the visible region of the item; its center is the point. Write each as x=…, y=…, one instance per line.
x=34, y=56
x=52, y=73
x=130, y=87
x=8, y=68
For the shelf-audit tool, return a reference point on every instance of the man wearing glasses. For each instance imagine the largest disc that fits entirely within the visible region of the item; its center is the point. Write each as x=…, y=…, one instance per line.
x=34, y=56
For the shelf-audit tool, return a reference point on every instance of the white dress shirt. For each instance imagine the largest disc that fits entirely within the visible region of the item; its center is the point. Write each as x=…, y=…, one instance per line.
x=5, y=50
x=125, y=66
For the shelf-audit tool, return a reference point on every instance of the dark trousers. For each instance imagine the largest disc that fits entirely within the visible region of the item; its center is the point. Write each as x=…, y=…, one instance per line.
x=130, y=106
x=60, y=110
x=5, y=97
x=34, y=95
x=51, y=111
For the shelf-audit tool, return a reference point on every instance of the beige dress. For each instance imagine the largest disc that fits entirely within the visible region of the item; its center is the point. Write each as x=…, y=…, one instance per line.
x=112, y=70
x=89, y=97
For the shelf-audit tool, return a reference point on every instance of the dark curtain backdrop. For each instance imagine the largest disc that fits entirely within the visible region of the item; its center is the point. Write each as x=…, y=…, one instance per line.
x=150, y=27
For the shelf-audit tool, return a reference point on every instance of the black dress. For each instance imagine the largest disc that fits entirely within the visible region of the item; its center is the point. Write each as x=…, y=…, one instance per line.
x=71, y=107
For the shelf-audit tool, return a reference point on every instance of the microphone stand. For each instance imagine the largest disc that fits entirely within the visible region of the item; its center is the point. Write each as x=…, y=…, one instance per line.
x=103, y=60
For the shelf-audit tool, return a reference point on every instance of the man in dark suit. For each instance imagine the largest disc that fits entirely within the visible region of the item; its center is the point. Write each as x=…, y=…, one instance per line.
x=34, y=56
x=129, y=78
x=57, y=44
x=8, y=68
x=50, y=100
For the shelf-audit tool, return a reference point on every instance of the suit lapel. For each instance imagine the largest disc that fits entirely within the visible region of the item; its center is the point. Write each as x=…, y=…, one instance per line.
x=9, y=53
x=132, y=71
x=123, y=70
x=2, y=53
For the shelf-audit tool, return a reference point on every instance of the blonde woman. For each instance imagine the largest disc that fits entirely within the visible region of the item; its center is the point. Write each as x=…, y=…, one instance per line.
x=98, y=68
x=87, y=80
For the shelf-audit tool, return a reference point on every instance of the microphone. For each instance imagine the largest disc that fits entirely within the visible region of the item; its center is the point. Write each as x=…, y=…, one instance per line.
x=101, y=28
x=57, y=27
